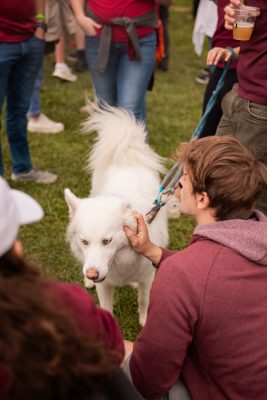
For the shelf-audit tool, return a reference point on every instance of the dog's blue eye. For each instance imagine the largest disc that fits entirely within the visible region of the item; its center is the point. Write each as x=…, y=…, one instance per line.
x=84, y=242
x=106, y=241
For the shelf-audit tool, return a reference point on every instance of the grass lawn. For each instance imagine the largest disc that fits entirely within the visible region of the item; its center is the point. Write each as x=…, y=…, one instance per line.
x=174, y=109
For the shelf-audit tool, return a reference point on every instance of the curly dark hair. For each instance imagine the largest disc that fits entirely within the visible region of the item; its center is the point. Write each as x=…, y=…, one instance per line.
x=42, y=352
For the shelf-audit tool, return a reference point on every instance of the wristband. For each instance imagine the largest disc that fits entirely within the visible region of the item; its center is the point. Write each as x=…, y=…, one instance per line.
x=41, y=24
x=40, y=16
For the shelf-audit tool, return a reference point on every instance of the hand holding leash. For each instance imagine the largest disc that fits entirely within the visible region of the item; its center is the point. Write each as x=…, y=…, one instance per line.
x=218, y=54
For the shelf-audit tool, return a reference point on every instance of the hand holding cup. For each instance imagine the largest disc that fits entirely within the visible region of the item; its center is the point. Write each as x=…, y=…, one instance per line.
x=240, y=19
x=245, y=18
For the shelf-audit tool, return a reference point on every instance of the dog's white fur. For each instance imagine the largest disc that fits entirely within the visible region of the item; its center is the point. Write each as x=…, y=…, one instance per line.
x=125, y=177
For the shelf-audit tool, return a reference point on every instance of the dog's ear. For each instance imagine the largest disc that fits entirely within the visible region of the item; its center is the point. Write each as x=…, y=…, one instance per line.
x=72, y=201
x=129, y=219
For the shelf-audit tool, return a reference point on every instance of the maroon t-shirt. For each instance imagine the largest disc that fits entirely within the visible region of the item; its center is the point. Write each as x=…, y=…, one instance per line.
x=223, y=37
x=16, y=20
x=107, y=9
x=252, y=66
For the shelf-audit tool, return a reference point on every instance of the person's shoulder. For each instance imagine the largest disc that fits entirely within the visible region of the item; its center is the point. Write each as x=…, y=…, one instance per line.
x=87, y=316
x=183, y=276
x=199, y=242
x=199, y=254
x=75, y=302
x=71, y=298
x=191, y=267
x=64, y=288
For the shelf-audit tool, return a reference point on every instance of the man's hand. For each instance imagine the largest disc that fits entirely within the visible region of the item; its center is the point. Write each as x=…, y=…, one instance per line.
x=40, y=33
x=141, y=242
x=218, y=54
x=229, y=16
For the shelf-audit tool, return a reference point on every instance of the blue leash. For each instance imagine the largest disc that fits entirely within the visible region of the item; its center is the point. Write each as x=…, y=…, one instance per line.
x=211, y=103
x=172, y=177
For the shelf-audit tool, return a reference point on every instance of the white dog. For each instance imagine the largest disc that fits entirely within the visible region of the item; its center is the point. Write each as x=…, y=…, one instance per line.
x=125, y=177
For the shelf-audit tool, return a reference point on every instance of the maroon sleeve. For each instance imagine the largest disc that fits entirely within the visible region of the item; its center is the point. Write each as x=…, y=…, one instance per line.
x=166, y=253
x=90, y=318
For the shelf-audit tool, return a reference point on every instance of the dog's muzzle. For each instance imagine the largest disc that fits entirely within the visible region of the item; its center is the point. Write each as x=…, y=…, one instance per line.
x=93, y=275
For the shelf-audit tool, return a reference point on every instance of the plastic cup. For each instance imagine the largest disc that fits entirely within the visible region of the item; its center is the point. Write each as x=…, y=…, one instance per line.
x=245, y=18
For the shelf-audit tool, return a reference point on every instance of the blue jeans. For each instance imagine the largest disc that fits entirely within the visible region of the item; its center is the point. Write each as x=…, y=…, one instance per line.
x=19, y=65
x=125, y=81
x=35, y=107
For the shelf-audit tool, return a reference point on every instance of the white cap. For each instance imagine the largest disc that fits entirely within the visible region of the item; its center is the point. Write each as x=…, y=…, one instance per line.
x=16, y=209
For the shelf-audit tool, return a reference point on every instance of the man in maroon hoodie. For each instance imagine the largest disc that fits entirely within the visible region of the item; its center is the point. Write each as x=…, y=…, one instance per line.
x=207, y=319
x=245, y=107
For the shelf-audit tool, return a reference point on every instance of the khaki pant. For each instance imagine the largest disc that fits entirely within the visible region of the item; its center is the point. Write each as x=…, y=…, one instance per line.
x=248, y=122
x=59, y=18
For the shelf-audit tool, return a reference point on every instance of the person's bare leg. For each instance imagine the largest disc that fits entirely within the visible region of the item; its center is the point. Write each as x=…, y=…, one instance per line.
x=60, y=51
x=62, y=71
x=80, y=38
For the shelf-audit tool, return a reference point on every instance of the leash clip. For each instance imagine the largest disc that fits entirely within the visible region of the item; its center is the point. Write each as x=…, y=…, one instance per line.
x=151, y=214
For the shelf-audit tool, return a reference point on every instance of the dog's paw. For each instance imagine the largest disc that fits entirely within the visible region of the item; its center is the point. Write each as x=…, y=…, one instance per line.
x=88, y=283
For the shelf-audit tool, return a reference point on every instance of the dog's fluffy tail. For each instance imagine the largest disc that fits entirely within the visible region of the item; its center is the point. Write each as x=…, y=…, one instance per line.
x=120, y=140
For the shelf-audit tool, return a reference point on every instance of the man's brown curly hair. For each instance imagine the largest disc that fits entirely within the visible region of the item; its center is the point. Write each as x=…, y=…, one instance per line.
x=227, y=171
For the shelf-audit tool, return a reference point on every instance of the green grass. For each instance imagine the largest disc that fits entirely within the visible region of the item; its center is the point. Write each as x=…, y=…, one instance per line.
x=174, y=109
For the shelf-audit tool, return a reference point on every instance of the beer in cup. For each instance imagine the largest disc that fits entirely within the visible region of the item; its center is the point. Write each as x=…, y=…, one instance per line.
x=245, y=18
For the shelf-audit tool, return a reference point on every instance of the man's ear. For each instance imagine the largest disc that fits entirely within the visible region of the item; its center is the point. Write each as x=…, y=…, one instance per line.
x=203, y=200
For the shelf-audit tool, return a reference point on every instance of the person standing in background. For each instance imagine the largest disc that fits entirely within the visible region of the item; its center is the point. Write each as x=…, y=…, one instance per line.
x=217, y=56
x=59, y=19
x=245, y=106
x=22, y=31
x=163, y=64
x=120, y=49
x=204, y=27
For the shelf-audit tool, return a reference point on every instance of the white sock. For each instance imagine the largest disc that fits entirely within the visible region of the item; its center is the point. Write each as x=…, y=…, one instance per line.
x=61, y=66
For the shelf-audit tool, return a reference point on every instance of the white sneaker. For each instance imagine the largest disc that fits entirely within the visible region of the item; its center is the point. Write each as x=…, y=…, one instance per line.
x=34, y=175
x=44, y=125
x=65, y=74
